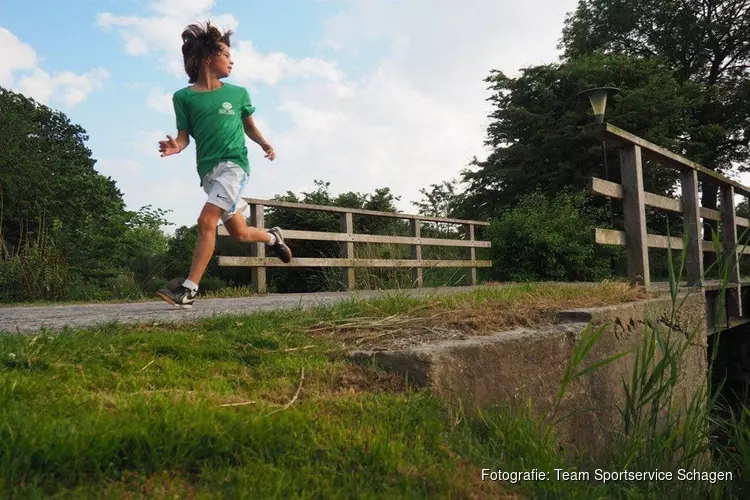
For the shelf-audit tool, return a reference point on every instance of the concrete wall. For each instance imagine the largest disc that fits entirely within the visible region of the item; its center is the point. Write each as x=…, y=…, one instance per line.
x=513, y=366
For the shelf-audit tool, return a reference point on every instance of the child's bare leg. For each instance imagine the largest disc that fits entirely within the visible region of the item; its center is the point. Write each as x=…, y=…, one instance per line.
x=204, y=249
x=240, y=231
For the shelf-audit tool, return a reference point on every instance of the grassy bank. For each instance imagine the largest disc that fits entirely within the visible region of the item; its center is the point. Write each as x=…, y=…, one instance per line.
x=267, y=406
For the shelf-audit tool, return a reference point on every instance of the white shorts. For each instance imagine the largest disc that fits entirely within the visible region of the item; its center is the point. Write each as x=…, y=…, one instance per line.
x=224, y=185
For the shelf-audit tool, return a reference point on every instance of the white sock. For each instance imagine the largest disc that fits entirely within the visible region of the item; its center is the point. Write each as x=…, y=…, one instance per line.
x=273, y=239
x=190, y=285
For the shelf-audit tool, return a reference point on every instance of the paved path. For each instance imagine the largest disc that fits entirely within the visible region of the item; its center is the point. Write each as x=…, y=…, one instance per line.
x=30, y=319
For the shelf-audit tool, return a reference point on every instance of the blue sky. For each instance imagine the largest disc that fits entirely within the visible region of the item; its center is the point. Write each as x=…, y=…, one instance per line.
x=360, y=93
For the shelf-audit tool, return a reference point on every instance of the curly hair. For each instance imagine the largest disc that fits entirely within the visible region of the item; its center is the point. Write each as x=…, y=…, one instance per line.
x=199, y=42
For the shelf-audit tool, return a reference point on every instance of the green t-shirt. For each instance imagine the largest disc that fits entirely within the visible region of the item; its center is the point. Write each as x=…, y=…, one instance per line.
x=214, y=119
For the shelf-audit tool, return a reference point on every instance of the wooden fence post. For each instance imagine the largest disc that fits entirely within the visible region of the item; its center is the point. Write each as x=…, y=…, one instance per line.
x=729, y=230
x=258, y=274
x=417, y=276
x=692, y=221
x=631, y=170
x=471, y=273
x=347, y=250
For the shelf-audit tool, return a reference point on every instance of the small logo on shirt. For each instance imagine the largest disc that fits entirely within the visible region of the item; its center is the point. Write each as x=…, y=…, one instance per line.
x=226, y=109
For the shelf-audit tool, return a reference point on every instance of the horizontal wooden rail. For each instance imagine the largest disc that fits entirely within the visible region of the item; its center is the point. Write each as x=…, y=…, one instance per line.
x=359, y=211
x=619, y=137
x=618, y=238
x=614, y=190
x=614, y=237
x=362, y=263
x=291, y=234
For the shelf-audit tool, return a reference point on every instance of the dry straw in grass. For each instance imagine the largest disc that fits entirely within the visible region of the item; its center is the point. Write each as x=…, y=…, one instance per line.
x=478, y=314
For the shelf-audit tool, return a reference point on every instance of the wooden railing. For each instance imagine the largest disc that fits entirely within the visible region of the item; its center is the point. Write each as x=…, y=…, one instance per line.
x=347, y=237
x=635, y=200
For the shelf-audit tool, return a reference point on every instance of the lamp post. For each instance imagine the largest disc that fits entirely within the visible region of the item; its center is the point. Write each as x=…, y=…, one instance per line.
x=597, y=97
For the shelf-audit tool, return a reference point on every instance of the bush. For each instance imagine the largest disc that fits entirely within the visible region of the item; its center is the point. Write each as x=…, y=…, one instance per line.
x=33, y=271
x=11, y=289
x=550, y=239
x=124, y=286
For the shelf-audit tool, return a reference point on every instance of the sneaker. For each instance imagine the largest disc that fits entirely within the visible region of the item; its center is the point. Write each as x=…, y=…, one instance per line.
x=282, y=251
x=178, y=295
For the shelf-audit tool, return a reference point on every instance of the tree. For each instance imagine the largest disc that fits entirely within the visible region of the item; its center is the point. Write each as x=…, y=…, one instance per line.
x=382, y=200
x=62, y=219
x=440, y=200
x=705, y=42
x=47, y=174
x=537, y=126
x=143, y=247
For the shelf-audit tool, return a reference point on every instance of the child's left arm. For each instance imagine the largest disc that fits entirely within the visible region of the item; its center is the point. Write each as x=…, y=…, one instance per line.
x=251, y=129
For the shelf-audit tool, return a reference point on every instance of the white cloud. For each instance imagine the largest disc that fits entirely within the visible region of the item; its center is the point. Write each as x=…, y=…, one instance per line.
x=66, y=86
x=17, y=56
x=182, y=7
x=62, y=86
x=161, y=32
x=252, y=66
x=160, y=101
x=420, y=114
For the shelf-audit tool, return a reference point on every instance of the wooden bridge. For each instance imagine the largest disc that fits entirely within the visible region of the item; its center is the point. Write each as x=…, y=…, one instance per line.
x=637, y=240
x=349, y=259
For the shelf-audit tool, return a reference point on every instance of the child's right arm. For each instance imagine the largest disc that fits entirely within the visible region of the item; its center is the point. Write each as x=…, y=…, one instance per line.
x=173, y=146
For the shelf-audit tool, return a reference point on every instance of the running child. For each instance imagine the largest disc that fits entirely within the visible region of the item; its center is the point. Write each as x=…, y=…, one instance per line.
x=217, y=115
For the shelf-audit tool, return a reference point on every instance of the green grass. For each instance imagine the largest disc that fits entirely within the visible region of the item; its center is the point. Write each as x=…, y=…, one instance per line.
x=123, y=410
x=142, y=412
